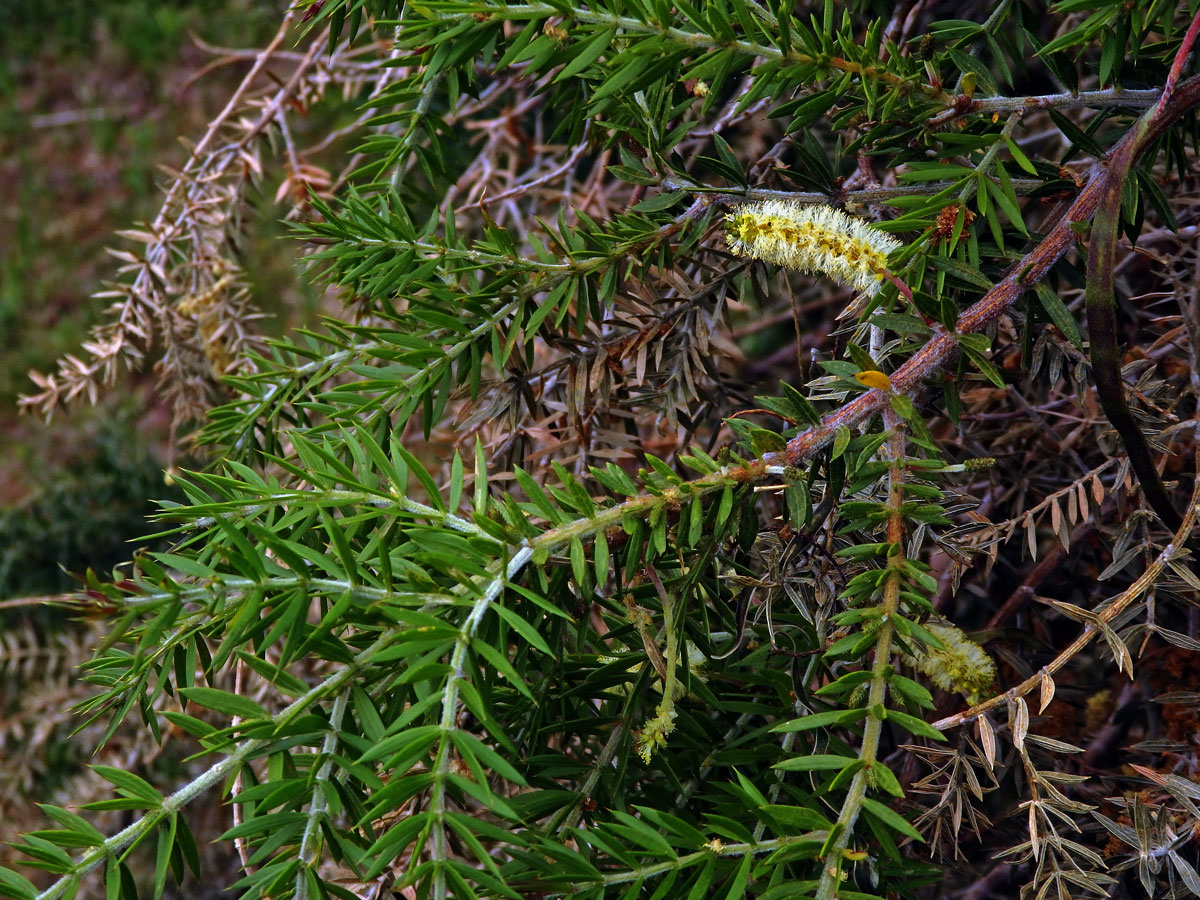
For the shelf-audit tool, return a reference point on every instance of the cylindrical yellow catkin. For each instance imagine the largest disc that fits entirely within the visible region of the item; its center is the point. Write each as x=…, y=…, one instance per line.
x=816, y=239
x=959, y=665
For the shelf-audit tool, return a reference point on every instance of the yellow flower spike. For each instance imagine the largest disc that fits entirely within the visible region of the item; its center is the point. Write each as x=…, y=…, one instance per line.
x=815, y=239
x=959, y=664
x=874, y=379
x=653, y=736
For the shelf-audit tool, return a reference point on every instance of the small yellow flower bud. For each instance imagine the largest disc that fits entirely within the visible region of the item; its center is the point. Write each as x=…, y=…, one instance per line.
x=978, y=464
x=873, y=379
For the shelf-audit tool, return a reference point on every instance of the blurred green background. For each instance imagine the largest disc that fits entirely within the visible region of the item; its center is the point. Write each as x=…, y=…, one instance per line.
x=94, y=97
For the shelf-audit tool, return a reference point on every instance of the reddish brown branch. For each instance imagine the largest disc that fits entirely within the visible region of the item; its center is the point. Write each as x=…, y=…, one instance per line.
x=1045, y=567
x=942, y=347
x=1104, y=346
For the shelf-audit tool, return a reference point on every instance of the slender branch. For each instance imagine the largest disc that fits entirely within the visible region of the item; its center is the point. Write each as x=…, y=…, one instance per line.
x=703, y=41
x=1174, y=549
x=957, y=104
x=831, y=869
x=236, y=586
x=1114, y=96
x=46, y=600
x=1101, y=300
x=475, y=256
x=1104, y=346
x=569, y=816
x=325, y=366
x=972, y=185
x=1110, y=97
x=525, y=187
x=332, y=684
x=549, y=541
x=141, y=309
x=239, y=685
x=451, y=706
x=328, y=499
x=318, y=804
x=1027, y=589
x=1177, y=64
x=196, y=161
x=878, y=195
x=716, y=848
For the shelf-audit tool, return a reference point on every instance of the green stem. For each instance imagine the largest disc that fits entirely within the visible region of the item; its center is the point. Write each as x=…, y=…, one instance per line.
x=555, y=538
x=311, y=374
x=465, y=253
x=236, y=586
x=451, y=707
x=318, y=806
x=569, y=816
x=827, y=888
x=671, y=658
x=703, y=41
x=756, y=848
x=1109, y=97
x=865, y=196
x=328, y=499
x=972, y=184
x=217, y=774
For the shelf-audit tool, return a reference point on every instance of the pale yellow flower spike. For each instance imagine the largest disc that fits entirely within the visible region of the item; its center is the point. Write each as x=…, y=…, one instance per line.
x=959, y=665
x=814, y=239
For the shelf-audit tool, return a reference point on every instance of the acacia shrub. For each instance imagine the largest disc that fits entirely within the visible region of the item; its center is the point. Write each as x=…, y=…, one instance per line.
x=587, y=554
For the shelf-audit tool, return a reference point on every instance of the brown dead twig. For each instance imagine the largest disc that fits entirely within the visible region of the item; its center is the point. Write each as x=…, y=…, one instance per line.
x=185, y=291
x=1097, y=622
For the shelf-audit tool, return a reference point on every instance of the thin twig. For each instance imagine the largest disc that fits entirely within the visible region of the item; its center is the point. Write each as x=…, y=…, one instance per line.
x=1173, y=550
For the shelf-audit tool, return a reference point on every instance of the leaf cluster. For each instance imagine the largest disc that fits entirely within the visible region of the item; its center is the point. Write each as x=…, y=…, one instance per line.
x=501, y=586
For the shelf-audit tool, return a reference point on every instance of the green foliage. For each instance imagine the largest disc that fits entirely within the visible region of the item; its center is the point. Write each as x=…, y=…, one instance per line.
x=528, y=607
